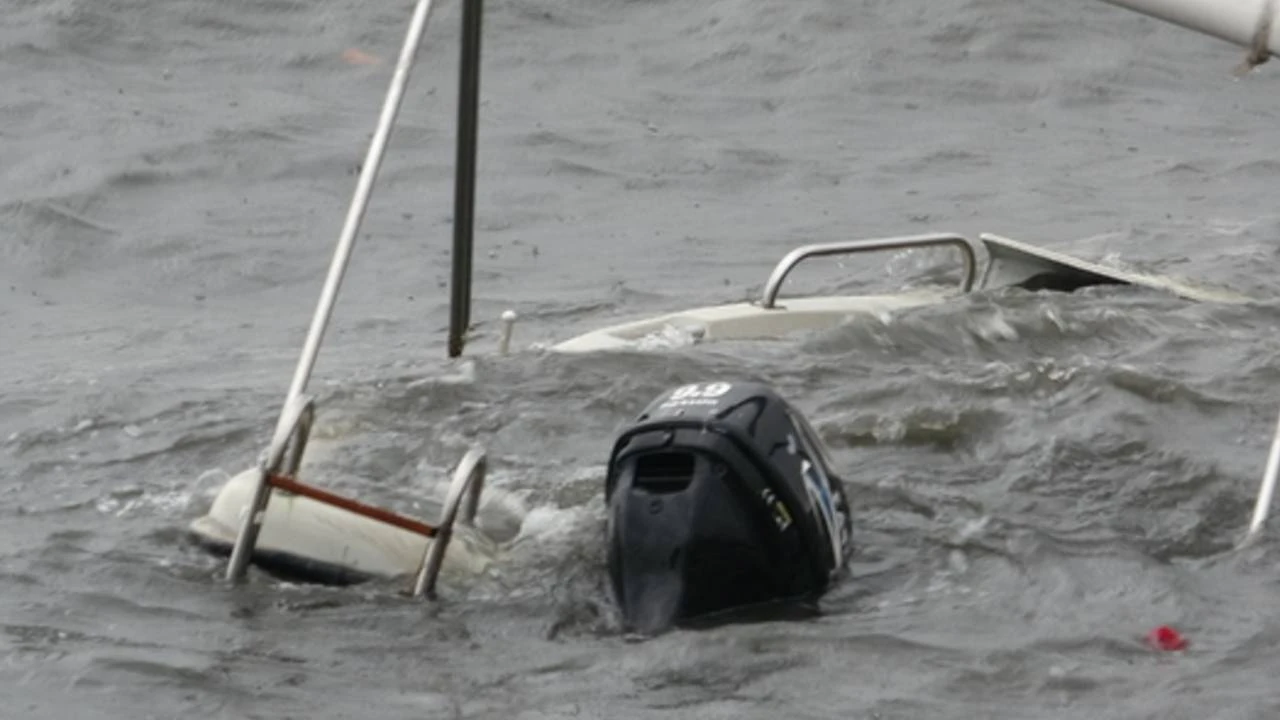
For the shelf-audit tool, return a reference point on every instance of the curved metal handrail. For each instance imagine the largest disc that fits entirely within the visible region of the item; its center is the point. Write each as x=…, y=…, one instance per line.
x=467, y=484
x=847, y=247
x=290, y=440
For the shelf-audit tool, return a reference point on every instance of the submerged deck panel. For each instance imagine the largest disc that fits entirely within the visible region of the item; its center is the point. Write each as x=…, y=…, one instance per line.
x=1017, y=264
x=750, y=321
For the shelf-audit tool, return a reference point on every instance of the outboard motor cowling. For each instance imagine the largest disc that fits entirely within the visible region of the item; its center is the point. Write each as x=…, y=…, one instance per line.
x=720, y=496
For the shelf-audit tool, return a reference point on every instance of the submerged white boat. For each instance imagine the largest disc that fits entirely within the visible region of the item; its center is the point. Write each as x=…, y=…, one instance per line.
x=310, y=538
x=1005, y=264
x=268, y=517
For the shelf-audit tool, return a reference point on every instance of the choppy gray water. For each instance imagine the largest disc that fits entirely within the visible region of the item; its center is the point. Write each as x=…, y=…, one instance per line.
x=1038, y=479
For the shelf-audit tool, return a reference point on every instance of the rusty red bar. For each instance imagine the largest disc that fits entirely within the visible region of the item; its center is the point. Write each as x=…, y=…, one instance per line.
x=288, y=484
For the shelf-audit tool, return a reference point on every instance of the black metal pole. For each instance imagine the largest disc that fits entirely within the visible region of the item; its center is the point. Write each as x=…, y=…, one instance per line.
x=464, y=189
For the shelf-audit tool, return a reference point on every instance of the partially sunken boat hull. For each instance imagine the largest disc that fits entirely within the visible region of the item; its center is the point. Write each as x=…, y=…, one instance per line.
x=266, y=516
x=1007, y=264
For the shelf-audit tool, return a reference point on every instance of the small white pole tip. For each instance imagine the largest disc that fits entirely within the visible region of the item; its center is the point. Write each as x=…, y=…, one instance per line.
x=508, y=323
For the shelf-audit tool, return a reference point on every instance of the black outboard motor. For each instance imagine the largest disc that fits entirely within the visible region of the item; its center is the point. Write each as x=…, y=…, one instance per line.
x=720, y=496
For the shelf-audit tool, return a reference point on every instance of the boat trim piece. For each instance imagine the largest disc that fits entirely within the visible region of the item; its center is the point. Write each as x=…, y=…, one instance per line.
x=1014, y=263
x=1266, y=491
x=849, y=247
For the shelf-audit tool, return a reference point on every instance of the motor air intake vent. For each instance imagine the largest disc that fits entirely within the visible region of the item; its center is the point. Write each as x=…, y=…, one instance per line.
x=665, y=472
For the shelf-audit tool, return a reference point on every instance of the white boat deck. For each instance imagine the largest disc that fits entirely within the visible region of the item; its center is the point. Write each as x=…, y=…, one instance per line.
x=1009, y=263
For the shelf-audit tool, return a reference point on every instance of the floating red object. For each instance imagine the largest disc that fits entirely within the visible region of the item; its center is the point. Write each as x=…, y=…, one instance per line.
x=1167, y=639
